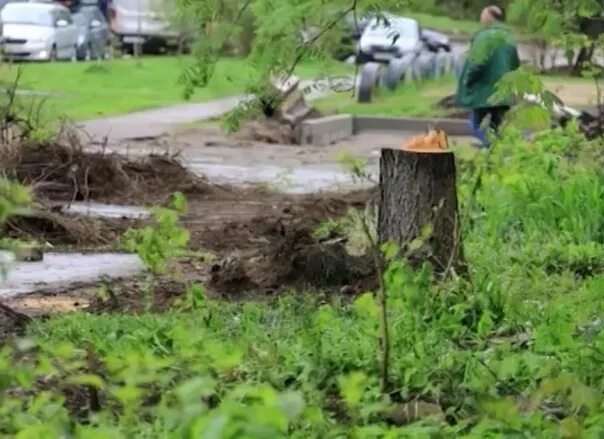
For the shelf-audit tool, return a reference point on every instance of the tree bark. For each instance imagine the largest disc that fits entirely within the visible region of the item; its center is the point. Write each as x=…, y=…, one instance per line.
x=584, y=57
x=418, y=191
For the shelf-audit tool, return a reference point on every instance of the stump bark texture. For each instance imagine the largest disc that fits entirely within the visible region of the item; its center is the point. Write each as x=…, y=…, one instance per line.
x=418, y=190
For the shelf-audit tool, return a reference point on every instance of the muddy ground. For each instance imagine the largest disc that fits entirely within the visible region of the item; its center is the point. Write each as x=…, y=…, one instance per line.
x=253, y=205
x=245, y=242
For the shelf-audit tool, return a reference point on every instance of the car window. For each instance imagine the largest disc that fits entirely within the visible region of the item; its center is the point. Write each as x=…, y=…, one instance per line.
x=22, y=14
x=405, y=28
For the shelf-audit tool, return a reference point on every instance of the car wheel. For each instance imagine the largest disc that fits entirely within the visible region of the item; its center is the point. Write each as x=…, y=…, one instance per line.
x=53, y=54
x=84, y=53
x=367, y=87
x=394, y=73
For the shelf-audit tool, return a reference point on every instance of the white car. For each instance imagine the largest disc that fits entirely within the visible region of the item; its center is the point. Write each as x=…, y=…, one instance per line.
x=151, y=23
x=38, y=31
x=392, y=37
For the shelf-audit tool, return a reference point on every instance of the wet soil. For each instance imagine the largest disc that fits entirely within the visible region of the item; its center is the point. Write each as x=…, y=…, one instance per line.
x=261, y=240
x=65, y=172
x=261, y=243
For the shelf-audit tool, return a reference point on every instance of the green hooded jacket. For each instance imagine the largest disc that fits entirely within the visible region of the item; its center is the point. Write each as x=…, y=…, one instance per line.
x=492, y=54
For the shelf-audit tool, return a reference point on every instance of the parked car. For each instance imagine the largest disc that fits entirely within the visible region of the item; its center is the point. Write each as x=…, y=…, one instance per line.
x=146, y=22
x=435, y=41
x=385, y=38
x=38, y=31
x=93, y=32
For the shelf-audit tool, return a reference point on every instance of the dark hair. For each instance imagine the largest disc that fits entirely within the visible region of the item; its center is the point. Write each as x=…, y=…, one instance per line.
x=497, y=12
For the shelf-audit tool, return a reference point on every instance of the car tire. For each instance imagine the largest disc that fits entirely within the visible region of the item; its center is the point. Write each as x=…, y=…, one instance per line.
x=84, y=53
x=53, y=56
x=363, y=58
x=394, y=73
x=370, y=76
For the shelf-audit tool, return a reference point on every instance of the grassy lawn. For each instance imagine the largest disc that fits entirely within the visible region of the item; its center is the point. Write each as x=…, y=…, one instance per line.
x=445, y=24
x=409, y=100
x=88, y=90
x=420, y=99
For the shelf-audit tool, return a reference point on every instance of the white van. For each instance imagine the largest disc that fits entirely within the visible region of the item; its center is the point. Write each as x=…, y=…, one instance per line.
x=145, y=22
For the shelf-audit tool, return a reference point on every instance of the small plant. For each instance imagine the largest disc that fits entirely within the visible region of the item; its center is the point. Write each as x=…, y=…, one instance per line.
x=163, y=240
x=160, y=242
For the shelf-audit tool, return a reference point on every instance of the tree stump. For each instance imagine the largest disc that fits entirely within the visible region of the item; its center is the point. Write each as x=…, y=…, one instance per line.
x=418, y=193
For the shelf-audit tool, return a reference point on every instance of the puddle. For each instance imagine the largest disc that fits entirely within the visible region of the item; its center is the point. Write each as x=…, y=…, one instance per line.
x=299, y=180
x=61, y=270
x=99, y=210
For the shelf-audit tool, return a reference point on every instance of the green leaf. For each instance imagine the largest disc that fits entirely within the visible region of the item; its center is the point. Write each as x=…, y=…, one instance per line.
x=365, y=305
x=86, y=380
x=291, y=404
x=179, y=202
x=485, y=324
x=352, y=387
x=390, y=250
x=416, y=244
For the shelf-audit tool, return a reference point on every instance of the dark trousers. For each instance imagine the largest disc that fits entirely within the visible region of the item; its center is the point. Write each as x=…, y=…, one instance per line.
x=477, y=117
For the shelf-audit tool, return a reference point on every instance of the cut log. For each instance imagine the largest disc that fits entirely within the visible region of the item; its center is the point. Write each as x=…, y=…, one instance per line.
x=418, y=193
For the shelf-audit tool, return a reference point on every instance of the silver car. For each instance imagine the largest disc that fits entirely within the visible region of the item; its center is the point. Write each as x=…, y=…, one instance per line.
x=38, y=31
x=93, y=37
x=152, y=23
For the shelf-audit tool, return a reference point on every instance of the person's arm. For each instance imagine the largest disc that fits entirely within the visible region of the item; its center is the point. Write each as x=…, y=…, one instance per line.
x=477, y=59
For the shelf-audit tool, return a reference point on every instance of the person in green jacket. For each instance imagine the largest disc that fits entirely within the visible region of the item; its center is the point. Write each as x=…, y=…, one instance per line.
x=493, y=53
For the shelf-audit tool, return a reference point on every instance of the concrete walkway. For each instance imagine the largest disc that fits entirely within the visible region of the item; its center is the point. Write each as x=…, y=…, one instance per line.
x=160, y=121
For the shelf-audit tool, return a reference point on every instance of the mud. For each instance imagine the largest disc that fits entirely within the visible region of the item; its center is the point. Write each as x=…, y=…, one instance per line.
x=11, y=323
x=63, y=171
x=261, y=238
x=449, y=108
x=264, y=242
x=50, y=227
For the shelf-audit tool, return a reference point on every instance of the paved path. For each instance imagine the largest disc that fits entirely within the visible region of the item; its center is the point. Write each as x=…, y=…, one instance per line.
x=160, y=121
x=156, y=122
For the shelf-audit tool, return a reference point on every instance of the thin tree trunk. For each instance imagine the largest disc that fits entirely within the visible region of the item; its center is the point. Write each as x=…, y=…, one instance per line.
x=585, y=56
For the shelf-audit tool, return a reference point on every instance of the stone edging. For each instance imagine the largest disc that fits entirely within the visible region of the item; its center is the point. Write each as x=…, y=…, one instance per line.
x=327, y=130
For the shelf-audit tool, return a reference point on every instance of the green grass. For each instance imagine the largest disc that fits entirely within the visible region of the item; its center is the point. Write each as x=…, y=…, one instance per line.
x=420, y=99
x=412, y=100
x=445, y=24
x=90, y=90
